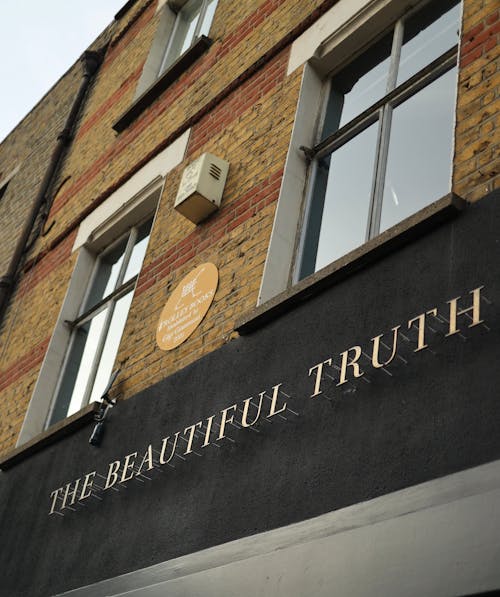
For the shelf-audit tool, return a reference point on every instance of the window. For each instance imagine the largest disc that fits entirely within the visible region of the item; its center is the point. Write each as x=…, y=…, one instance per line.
x=192, y=21
x=97, y=331
x=109, y=248
x=386, y=144
x=181, y=38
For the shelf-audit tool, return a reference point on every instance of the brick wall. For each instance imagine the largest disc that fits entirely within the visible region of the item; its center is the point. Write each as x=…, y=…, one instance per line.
x=477, y=149
x=240, y=105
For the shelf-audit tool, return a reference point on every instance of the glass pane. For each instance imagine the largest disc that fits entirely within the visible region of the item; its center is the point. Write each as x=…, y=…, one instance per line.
x=111, y=346
x=108, y=268
x=138, y=252
x=428, y=34
x=189, y=27
x=78, y=368
x=346, y=201
x=358, y=86
x=208, y=18
x=185, y=27
x=420, y=151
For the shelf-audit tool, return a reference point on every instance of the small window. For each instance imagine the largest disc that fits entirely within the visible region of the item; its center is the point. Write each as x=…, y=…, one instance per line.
x=97, y=331
x=192, y=21
x=386, y=143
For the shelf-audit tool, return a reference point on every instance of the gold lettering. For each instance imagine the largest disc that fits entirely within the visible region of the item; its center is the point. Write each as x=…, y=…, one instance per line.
x=319, y=373
x=87, y=485
x=420, y=321
x=191, y=429
x=164, y=446
x=376, y=347
x=112, y=477
x=127, y=465
x=148, y=457
x=207, y=432
x=54, y=495
x=225, y=419
x=68, y=493
x=246, y=406
x=274, y=399
x=475, y=308
x=352, y=363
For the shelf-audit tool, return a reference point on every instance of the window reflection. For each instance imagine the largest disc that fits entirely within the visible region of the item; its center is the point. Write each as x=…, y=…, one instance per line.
x=419, y=159
x=78, y=367
x=189, y=27
x=347, y=197
x=95, y=341
x=364, y=83
x=426, y=39
x=402, y=162
x=106, y=273
x=111, y=346
x=138, y=252
x=208, y=18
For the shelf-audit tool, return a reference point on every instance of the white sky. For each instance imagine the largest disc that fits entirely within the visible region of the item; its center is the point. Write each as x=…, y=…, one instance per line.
x=39, y=41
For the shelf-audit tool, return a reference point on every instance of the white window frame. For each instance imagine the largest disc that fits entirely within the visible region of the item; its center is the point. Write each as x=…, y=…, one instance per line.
x=171, y=53
x=107, y=304
x=168, y=14
x=324, y=48
x=132, y=203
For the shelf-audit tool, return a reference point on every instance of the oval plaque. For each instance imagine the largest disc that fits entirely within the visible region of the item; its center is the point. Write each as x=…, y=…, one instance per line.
x=187, y=306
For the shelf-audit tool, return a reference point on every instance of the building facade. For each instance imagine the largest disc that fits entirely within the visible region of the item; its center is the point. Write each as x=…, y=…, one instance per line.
x=249, y=306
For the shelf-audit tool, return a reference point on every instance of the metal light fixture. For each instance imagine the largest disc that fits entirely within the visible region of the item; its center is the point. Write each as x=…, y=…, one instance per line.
x=100, y=416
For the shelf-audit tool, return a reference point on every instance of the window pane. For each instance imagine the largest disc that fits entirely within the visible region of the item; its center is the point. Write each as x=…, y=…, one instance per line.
x=108, y=268
x=359, y=86
x=428, y=34
x=138, y=252
x=420, y=150
x=185, y=26
x=189, y=27
x=111, y=346
x=208, y=18
x=78, y=368
x=346, y=201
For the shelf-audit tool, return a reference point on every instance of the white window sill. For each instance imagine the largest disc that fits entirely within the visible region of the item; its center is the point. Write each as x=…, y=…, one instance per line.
x=412, y=227
x=51, y=435
x=173, y=72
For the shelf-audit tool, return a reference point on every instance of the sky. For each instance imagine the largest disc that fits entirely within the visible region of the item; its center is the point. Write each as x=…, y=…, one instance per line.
x=39, y=41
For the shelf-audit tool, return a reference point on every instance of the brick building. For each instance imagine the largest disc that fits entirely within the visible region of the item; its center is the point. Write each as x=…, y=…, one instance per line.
x=302, y=348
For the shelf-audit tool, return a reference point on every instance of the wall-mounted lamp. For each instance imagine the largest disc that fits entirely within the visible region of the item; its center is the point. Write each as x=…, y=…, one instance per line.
x=106, y=404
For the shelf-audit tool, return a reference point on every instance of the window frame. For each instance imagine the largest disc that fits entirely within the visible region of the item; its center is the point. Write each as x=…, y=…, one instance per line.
x=380, y=112
x=107, y=303
x=342, y=34
x=170, y=54
x=134, y=201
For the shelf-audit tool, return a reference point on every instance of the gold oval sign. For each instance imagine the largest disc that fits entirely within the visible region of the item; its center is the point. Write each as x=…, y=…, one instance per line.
x=187, y=306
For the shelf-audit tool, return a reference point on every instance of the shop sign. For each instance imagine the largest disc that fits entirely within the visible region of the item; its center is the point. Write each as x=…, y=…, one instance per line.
x=273, y=403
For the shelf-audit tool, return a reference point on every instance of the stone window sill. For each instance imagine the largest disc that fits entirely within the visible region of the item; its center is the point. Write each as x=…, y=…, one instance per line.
x=182, y=63
x=51, y=435
x=434, y=214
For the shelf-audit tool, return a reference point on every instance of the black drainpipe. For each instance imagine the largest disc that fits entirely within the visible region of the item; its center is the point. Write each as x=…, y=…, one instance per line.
x=91, y=61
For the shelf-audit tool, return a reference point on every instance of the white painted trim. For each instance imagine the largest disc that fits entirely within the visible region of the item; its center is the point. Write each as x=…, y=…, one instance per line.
x=41, y=399
x=438, y=538
x=281, y=251
x=166, y=20
x=333, y=38
x=129, y=194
